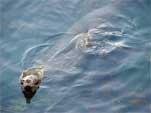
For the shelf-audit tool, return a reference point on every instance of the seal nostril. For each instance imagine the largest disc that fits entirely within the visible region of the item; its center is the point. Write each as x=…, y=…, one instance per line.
x=28, y=88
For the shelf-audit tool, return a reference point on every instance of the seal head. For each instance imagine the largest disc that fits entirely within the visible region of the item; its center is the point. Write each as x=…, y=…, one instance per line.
x=30, y=81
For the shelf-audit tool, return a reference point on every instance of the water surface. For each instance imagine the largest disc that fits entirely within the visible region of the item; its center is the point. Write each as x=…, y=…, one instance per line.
x=112, y=76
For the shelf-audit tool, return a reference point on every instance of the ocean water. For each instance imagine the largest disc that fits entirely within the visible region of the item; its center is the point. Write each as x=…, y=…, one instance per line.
x=112, y=75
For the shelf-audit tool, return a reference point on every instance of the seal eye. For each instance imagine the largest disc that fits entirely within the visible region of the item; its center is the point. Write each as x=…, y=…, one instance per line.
x=22, y=82
x=37, y=82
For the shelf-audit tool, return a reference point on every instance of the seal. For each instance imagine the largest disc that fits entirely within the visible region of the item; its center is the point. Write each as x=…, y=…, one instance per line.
x=30, y=80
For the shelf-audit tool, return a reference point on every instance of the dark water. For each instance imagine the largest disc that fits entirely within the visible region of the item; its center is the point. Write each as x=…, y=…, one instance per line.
x=112, y=76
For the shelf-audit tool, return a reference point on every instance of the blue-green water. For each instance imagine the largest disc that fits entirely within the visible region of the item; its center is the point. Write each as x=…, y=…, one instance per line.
x=112, y=76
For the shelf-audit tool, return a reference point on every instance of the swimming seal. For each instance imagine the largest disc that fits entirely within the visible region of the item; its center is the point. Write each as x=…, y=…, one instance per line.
x=30, y=80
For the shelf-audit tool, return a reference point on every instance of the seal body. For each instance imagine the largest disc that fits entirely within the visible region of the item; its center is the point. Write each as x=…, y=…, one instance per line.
x=30, y=80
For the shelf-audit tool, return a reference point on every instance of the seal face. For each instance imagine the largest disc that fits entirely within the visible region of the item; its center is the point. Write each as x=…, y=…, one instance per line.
x=30, y=80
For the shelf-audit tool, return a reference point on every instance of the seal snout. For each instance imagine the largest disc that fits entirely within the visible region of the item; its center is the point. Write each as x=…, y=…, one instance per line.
x=28, y=88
